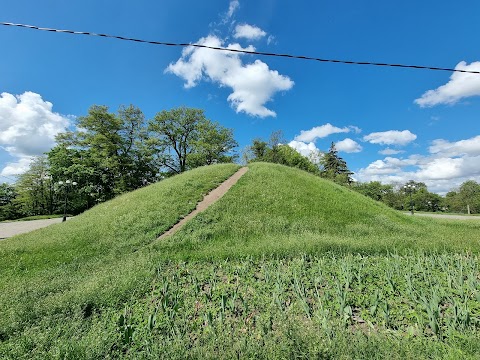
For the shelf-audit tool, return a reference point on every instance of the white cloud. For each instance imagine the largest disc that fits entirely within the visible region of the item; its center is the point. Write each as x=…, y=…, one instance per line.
x=252, y=84
x=309, y=150
x=463, y=147
x=232, y=7
x=249, y=32
x=391, y=137
x=389, y=151
x=448, y=165
x=461, y=85
x=303, y=148
x=28, y=127
x=348, y=145
x=319, y=132
x=17, y=167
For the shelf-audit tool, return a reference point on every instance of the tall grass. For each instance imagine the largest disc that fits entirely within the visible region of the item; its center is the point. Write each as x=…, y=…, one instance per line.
x=285, y=265
x=97, y=259
x=278, y=210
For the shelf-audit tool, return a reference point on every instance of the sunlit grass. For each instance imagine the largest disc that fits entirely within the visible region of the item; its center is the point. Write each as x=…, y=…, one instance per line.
x=285, y=265
x=278, y=210
x=95, y=259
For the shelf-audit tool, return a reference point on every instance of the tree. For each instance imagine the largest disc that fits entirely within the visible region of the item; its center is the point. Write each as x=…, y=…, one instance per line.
x=334, y=167
x=469, y=196
x=106, y=155
x=213, y=145
x=36, y=193
x=375, y=190
x=8, y=207
x=276, y=152
x=182, y=138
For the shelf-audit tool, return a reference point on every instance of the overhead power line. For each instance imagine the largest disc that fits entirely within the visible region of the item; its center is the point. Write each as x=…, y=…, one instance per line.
x=240, y=51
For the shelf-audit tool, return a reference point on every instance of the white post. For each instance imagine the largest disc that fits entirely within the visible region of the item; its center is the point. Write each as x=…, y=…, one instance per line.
x=468, y=209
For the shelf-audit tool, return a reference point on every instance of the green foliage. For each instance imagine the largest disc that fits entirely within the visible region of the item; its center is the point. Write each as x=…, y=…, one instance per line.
x=9, y=209
x=335, y=168
x=183, y=138
x=374, y=190
x=275, y=209
x=105, y=155
x=36, y=190
x=467, y=194
x=285, y=265
x=278, y=153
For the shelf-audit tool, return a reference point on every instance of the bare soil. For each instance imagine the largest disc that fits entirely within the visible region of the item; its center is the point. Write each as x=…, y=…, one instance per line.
x=209, y=199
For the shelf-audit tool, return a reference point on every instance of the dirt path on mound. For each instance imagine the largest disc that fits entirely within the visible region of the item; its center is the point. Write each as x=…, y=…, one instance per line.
x=209, y=199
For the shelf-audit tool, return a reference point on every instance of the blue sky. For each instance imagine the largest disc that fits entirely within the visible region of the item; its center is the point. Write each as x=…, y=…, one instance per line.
x=390, y=124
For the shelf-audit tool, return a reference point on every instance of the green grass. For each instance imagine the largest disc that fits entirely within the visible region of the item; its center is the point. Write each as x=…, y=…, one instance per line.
x=285, y=265
x=94, y=260
x=278, y=210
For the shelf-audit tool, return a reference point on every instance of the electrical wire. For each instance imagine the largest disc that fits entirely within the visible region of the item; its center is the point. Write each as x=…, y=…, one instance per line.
x=261, y=53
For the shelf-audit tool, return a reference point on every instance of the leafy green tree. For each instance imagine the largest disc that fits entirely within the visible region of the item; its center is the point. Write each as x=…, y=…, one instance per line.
x=106, y=155
x=469, y=196
x=214, y=145
x=335, y=168
x=276, y=152
x=36, y=193
x=182, y=138
x=291, y=157
x=427, y=201
x=375, y=190
x=8, y=207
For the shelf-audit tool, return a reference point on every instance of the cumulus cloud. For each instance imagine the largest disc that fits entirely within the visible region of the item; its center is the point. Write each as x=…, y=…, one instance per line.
x=448, y=165
x=349, y=146
x=252, y=84
x=28, y=127
x=319, y=132
x=391, y=137
x=389, y=151
x=249, y=32
x=303, y=148
x=463, y=147
x=460, y=86
x=307, y=149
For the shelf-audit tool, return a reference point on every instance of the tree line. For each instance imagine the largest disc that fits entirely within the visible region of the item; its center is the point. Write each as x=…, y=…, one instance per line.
x=110, y=153
x=331, y=166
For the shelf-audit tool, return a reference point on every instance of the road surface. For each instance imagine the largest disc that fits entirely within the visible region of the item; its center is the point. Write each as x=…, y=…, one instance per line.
x=19, y=227
x=448, y=216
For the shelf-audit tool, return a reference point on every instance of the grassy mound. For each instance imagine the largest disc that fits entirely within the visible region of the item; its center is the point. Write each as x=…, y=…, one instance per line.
x=278, y=210
x=285, y=265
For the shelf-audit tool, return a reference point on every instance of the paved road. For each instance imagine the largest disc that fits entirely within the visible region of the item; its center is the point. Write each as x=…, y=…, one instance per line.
x=447, y=216
x=19, y=227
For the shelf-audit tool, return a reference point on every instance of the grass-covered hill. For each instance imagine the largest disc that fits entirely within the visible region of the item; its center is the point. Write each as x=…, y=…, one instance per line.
x=284, y=265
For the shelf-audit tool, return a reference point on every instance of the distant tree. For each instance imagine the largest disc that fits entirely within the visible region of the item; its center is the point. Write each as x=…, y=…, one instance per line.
x=427, y=201
x=334, y=167
x=375, y=190
x=469, y=196
x=183, y=138
x=8, y=208
x=36, y=193
x=276, y=152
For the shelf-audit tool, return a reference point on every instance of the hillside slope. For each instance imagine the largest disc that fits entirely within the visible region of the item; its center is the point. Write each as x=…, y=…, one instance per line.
x=285, y=265
x=280, y=210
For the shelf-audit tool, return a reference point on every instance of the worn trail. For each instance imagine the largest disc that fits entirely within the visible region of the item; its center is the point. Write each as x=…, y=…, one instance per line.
x=209, y=199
